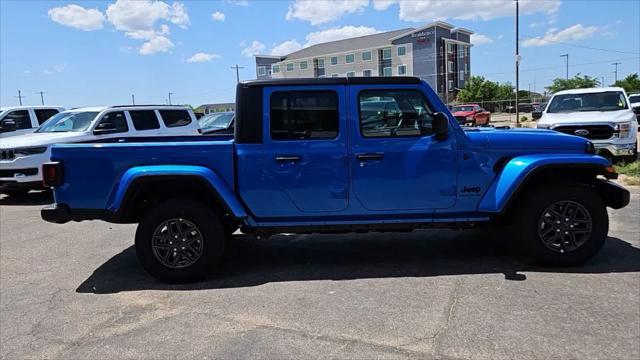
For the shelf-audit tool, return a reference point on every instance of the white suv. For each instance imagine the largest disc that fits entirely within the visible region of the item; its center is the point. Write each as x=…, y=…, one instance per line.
x=602, y=115
x=19, y=120
x=21, y=157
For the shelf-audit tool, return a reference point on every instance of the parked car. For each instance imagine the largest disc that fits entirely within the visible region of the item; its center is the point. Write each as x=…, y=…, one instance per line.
x=537, y=111
x=471, y=114
x=20, y=120
x=217, y=123
x=301, y=162
x=634, y=101
x=602, y=115
x=22, y=156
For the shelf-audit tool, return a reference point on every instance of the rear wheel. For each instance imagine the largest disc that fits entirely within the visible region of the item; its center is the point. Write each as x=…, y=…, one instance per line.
x=564, y=226
x=180, y=241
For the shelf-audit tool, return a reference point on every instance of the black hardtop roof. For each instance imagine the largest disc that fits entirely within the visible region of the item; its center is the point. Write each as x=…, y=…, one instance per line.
x=333, y=81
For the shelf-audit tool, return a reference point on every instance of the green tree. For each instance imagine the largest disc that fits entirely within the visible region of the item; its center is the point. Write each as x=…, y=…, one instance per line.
x=576, y=82
x=478, y=89
x=505, y=92
x=630, y=84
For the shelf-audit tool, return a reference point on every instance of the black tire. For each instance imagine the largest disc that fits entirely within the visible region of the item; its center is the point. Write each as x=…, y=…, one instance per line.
x=15, y=193
x=211, y=241
x=530, y=229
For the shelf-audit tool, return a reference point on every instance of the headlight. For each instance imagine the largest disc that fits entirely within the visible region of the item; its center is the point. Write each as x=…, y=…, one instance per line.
x=623, y=130
x=469, y=118
x=30, y=150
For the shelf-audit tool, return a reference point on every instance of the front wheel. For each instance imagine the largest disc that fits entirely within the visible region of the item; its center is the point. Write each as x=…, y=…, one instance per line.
x=180, y=241
x=564, y=226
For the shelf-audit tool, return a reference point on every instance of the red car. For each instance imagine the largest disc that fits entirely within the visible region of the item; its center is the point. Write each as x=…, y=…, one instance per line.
x=471, y=114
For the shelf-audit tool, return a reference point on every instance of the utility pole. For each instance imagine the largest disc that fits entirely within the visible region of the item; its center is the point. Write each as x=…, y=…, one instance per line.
x=133, y=99
x=566, y=56
x=237, y=72
x=41, y=96
x=602, y=83
x=170, y=93
x=19, y=97
x=616, y=70
x=517, y=62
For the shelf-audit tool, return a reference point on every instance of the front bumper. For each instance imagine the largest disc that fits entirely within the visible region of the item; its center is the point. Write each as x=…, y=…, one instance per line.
x=615, y=149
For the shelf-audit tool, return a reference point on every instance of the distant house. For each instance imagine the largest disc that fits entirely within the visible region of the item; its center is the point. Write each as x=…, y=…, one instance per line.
x=210, y=108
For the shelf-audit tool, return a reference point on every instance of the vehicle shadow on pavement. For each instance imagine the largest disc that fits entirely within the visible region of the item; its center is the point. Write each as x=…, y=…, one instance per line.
x=353, y=256
x=32, y=198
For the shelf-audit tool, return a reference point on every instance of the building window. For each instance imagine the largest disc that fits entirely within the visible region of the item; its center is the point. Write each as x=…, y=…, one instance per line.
x=461, y=52
x=402, y=50
x=450, y=85
x=461, y=75
x=350, y=58
x=320, y=63
x=366, y=56
x=334, y=75
x=406, y=113
x=366, y=73
x=387, y=71
x=303, y=65
x=450, y=48
x=304, y=115
x=334, y=60
x=402, y=70
x=290, y=67
x=466, y=68
x=386, y=53
x=262, y=71
x=450, y=66
x=275, y=69
x=351, y=73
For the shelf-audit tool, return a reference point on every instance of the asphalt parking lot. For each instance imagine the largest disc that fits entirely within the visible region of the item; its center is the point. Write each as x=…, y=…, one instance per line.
x=76, y=291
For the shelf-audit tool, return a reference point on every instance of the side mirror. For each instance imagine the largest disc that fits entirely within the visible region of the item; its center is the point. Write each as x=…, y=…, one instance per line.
x=105, y=128
x=7, y=125
x=440, y=126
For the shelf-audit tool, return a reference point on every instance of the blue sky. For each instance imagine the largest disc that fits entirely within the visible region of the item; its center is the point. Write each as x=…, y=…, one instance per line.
x=85, y=53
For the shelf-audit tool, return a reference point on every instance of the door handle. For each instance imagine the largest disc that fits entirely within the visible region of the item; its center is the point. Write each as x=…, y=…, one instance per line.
x=287, y=158
x=369, y=156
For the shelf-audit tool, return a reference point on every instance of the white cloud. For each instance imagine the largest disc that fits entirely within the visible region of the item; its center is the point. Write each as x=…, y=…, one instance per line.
x=155, y=45
x=286, y=47
x=27, y=72
x=553, y=35
x=255, y=48
x=178, y=15
x=323, y=11
x=57, y=68
x=344, y=32
x=217, y=16
x=77, y=17
x=429, y=10
x=202, y=57
x=479, y=39
x=238, y=2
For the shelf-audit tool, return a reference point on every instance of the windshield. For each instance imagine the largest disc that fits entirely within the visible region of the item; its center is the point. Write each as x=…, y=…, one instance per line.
x=602, y=101
x=216, y=120
x=68, y=121
x=462, y=108
x=634, y=98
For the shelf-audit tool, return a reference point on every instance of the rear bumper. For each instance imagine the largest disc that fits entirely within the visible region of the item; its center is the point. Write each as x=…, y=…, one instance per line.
x=60, y=214
x=613, y=195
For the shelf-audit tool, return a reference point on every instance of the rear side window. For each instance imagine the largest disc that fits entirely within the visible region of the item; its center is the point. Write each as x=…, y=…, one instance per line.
x=175, y=118
x=308, y=115
x=117, y=119
x=144, y=119
x=44, y=114
x=21, y=118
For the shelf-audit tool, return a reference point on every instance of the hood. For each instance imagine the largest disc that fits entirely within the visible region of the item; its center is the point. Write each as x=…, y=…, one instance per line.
x=40, y=139
x=463, y=113
x=524, y=139
x=587, y=116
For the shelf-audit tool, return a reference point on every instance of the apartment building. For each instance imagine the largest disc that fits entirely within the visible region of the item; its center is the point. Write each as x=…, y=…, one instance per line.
x=438, y=53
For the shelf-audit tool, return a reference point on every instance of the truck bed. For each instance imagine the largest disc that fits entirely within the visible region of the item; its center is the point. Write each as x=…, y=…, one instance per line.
x=92, y=170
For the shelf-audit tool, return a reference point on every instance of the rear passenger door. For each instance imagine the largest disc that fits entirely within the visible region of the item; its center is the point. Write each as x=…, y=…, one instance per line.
x=305, y=149
x=145, y=122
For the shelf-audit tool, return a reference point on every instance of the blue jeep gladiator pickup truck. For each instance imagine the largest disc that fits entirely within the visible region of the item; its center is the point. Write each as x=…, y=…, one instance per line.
x=336, y=155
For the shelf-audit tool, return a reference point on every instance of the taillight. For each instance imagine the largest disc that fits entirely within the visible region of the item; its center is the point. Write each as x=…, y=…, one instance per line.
x=52, y=174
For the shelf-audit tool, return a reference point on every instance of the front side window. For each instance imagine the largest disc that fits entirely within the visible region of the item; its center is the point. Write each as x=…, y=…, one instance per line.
x=350, y=58
x=275, y=68
x=402, y=70
x=366, y=73
x=21, y=118
x=117, y=119
x=334, y=60
x=600, y=101
x=402, y=51
x=290, y=67
x=44, y=114
x=304, y=115
x=351, y=73
x=175, y=118
x=366, y=56
x=393, y=113
x=303, y=65
x=144, y=119
x=387, y=71
x=68, y=121
x=386, y=53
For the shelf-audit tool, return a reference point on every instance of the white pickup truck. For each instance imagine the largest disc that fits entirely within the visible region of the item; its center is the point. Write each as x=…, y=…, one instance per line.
x=602, y=115
x=21, y=157
x=19, y=120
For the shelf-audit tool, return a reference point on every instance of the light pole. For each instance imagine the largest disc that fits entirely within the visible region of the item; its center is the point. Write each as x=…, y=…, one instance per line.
x=616, y=70
x=170, y=93
x=567, y=56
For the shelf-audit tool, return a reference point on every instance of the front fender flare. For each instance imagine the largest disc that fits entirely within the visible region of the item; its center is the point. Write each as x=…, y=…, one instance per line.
x=219, y=187
x=517, y=170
